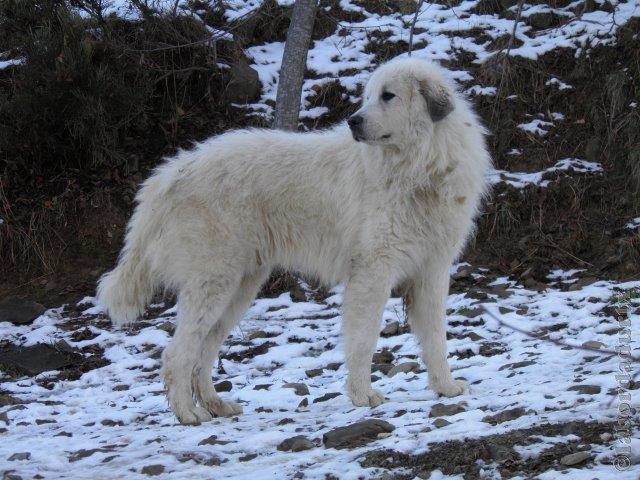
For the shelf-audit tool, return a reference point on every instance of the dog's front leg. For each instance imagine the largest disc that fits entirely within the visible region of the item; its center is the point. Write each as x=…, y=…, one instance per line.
x=426, y=311
x=365, y=296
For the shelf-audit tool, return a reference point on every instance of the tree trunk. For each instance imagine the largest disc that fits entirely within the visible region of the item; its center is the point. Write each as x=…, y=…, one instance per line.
x=294, y=62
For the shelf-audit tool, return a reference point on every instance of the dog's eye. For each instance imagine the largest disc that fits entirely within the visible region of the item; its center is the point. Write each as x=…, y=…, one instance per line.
x=386, y=96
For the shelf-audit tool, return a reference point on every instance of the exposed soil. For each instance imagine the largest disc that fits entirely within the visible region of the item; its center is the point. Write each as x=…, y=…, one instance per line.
x=73, y=223
x=467, y=457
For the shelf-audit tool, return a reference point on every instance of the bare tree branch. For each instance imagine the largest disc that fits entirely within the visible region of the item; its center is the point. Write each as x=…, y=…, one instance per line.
x=413, y=26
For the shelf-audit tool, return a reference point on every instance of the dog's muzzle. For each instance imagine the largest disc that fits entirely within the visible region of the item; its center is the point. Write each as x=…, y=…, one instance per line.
x=355, y=123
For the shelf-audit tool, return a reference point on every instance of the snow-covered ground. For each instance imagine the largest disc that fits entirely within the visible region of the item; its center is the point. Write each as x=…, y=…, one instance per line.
x=114, y=420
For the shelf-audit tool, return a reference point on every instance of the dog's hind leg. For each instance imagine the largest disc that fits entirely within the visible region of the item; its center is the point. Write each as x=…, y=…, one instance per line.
x=203, y=384
x=200, y=305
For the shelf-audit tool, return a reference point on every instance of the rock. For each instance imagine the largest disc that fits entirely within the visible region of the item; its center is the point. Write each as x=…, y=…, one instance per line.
x=299, y=388
x=334, y=366
x=314, y=372
x=441, y=422
x=385, y=356
x=405, y=367
x=258, y=334
x=471, y=312
x=381, y=367
x=248, y=457
x=326, y=396
x=212, y=440
x=244, y=84
x=298, y=443
x=167, y=326
x=606, y=436
x=575, y=458
x=200, y=459
x=20, y=456
x=6, y=399
x=356, y=434
x=593, y=344
x=461, y=273
x=224, y=386
x=152, y=470
x=442, y=410
x=19, y=311
x=515, y=365
x=390, y=329
x=297, y=294
x=474, y=336
x=585, y=389
x=304, y=403
x=82, y=453
x=542, y=20
x=405, y=7
x=33, y=360
x=505, y=416
x=9, y=475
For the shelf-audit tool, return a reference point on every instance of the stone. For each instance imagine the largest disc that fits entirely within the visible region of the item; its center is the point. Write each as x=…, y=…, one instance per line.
x=385, y=356
x=381, y=367
x=299, y=388
x=515, y=365
x=298, y=443
x=542, y=20
x=326, y=396
x=212, y=440
x=390, y=329
x=445, y=410
x=248, y=457
x=405, y=367
x=575, y=458
x=593, y=344
x=356, y=434
x=19, y=311
x=441, y=422
x=585, y=389
x=505, y=416
x=244, y=84
x=167, y=326
x=32, y=360
x=258, y=334
x=152, y=470
x=224, y=386
x=314, y=372
x=474, y=336
x=20, y=456
x=200, y=459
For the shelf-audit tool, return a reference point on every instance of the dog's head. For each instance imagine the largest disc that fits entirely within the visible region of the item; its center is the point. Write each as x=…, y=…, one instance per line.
x=403, y=100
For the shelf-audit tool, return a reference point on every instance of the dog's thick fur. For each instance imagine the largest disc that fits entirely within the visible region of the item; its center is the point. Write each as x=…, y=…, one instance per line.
x=391, y=201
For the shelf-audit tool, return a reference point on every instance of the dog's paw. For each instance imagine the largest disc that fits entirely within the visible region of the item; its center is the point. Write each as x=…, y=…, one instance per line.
x=192, y=415
x=229, y=409
x=451, y=388
x=371, y=398
x=221, y=408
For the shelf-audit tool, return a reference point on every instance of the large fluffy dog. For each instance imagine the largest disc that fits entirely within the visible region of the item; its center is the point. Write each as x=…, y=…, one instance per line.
x=389, y=199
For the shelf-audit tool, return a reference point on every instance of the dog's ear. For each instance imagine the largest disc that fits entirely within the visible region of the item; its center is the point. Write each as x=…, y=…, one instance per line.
x=438, y=100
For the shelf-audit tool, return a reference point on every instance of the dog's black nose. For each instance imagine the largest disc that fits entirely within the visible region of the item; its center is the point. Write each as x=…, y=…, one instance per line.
x=354, y=121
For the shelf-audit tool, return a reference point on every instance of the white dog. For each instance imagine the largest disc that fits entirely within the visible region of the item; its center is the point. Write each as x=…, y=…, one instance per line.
x=389, y=199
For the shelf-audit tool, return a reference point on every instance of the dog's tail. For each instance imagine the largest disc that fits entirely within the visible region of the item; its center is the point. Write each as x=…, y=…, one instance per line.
x=125, y=291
